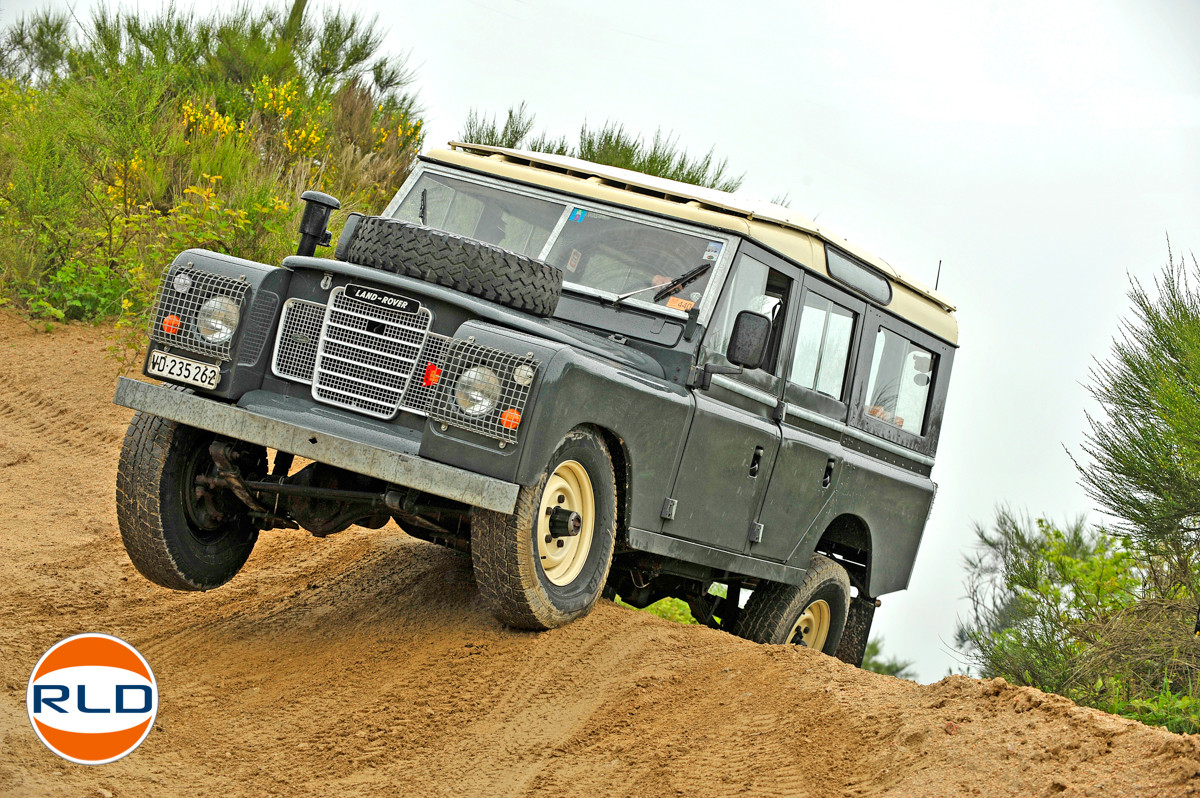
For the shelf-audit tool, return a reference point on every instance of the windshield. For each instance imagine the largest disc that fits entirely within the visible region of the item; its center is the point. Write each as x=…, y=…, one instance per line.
x=513, y=221
x=595, y=250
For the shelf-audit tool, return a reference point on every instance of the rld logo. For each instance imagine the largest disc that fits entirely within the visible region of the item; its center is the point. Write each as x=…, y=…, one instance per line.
x=92, y=699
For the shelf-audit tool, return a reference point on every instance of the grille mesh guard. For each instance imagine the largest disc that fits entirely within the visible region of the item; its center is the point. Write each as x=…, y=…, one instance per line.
x=297, y=340
x=510, y=395
x=367, y=355
x=202, y=286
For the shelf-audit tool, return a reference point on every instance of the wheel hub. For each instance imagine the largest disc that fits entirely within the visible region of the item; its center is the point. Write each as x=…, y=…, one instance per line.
x=566, y=523
x=812, y=627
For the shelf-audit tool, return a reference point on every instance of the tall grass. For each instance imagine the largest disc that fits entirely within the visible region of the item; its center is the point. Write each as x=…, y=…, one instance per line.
x=124, y=139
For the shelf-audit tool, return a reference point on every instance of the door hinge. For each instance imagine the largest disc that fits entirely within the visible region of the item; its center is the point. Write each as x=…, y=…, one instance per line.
x=668, y=510
x=756, y=532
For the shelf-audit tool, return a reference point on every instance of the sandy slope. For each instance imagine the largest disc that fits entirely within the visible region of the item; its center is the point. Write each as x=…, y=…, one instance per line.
x=362, y=664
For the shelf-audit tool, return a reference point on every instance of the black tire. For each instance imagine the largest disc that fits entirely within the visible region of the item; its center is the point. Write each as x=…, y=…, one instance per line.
x=172, y=539
x=464, y=264
x=505, y=549
x=773, y=611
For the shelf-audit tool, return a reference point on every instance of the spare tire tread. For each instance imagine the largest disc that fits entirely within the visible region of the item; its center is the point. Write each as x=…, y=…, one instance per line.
x=464, y=264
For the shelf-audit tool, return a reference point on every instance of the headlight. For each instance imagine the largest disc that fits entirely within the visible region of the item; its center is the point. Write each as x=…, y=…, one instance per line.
x=477, y=391
x=217, y=319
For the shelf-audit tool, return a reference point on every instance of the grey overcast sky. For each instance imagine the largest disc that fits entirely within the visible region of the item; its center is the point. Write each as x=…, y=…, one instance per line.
x=1042, y=149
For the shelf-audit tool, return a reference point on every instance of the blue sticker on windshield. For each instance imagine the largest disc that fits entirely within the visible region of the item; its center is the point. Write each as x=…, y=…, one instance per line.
x=578, y=215
x=713, y=251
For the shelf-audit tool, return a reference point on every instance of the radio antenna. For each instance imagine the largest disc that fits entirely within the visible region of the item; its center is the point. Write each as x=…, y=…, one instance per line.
x=938, y=279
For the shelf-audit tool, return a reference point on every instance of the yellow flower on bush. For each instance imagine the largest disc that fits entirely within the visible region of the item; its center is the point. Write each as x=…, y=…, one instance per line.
x=208, y=120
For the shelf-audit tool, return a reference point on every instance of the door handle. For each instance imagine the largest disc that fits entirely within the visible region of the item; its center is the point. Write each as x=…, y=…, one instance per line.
x=756, y=462
x=828, y=478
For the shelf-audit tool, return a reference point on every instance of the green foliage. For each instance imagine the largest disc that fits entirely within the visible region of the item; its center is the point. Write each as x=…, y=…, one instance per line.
x=677, y=610
x=1145, y=447
x=1177, y=711
x=1069, y=610
x=126, y=139
x=610, y=144
x=1034, y=589
x=873, y=660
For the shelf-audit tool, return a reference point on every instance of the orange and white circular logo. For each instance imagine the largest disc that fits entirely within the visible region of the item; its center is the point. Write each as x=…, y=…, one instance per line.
x=92, y=698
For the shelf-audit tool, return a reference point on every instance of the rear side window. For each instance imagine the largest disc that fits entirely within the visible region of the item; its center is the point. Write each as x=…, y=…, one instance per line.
x=901, y=374
x=823, y=346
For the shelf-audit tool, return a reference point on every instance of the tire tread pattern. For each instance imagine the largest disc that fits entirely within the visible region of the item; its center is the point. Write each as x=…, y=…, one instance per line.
x=505, y=562
x=144, y=455
x=464, y=264
x=773, y=607
x=149, y=450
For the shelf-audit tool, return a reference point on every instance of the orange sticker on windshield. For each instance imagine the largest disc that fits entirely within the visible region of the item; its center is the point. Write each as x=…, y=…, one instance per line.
x=680, y=304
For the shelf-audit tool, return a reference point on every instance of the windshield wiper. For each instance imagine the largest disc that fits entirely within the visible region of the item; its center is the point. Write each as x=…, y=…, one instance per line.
x=673, y=287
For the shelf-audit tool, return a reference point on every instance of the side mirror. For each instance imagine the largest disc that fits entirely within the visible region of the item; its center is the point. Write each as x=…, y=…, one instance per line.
x=747, y=348
x=749, y=339
x=315, y=221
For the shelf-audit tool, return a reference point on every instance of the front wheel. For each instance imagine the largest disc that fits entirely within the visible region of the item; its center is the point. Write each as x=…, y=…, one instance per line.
x=176, y=536
x=545, y=565
x=812, y=613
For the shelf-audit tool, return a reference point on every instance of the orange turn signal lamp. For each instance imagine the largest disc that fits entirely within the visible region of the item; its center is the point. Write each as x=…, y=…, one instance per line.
x=171, y=324
x=510, y=418
x=432, y=375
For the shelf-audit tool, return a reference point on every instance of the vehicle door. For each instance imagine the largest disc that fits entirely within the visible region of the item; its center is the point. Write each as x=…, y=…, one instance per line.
x=816, y=394
x=733, y=438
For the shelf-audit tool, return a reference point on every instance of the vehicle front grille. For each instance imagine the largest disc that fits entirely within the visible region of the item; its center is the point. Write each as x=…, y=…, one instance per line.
x=367, y=355
x=257, y=327
x=298, y=339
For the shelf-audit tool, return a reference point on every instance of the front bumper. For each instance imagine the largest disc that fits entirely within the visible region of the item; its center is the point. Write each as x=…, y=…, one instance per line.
x=325, y=439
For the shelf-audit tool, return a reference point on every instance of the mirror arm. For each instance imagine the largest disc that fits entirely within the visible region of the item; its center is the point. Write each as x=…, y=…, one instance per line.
x=702, y=378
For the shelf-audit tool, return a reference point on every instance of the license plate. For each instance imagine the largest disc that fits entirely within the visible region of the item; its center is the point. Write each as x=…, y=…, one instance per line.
x=179, y=369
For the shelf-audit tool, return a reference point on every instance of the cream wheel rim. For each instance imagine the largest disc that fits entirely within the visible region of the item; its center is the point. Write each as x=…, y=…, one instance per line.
x=812, y=627
x=568, y=488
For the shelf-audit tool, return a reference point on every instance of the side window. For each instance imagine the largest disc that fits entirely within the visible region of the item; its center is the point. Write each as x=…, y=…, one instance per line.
x=822, y=346
x=898, y=388
x=754, y=286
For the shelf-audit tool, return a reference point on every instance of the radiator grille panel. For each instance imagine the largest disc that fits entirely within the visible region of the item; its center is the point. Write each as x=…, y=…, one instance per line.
x=299, y=336
x=419, y=397
x=262, y=313
x=367, y=355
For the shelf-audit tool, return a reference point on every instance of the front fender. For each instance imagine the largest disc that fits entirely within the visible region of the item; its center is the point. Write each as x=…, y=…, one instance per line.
x=648, y=415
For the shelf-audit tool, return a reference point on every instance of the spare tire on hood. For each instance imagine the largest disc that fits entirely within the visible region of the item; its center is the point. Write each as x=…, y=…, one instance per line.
x=464, y=264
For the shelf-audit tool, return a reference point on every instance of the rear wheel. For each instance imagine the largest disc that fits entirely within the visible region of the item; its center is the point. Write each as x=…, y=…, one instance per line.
x=545, y=565
x=811, y=614
x=175, y=536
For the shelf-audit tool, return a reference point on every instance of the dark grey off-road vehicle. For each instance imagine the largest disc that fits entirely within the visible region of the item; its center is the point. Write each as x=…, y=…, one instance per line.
x=594, y=381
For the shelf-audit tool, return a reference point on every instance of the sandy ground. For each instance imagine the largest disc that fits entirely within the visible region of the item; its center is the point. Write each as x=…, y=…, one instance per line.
x=362, y=664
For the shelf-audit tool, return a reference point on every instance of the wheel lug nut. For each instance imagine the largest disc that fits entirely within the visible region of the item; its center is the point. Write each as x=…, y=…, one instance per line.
x=560, y=544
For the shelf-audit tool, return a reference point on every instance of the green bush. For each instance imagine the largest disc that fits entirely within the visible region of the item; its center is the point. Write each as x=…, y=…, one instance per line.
x=130, y=139
x=1068, y=609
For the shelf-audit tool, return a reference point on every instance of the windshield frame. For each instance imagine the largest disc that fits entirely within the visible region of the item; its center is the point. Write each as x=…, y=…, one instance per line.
x=716, y=278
